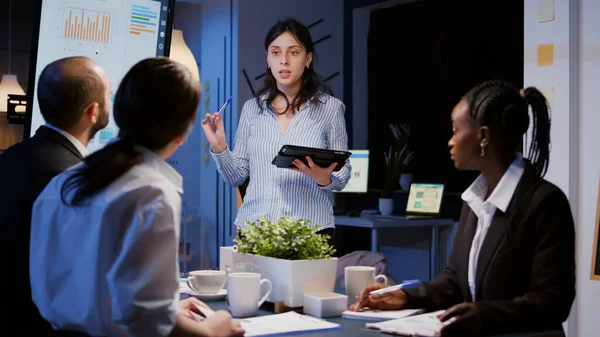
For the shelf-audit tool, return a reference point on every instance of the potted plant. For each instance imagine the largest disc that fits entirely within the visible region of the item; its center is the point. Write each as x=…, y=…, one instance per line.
x=396, y=159
x=292, y=255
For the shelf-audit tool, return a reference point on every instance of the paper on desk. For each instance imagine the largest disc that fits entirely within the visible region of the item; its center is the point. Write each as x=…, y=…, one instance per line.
x=288, y=322
x=425, y=325
x=380, y=315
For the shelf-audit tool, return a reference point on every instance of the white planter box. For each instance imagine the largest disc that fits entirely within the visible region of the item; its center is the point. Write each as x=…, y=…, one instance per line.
x=291, y=279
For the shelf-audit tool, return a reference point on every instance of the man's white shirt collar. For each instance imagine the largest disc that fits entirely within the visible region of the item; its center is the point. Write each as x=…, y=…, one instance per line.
x=82, y=149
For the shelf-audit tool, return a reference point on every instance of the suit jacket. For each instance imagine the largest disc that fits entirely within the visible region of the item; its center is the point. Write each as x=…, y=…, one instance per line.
x=525, y=277
x=25, y=169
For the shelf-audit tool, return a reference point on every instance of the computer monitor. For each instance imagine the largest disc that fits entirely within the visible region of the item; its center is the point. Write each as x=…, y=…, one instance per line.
x=359, y=176
x=116, y=34
x=425, y=198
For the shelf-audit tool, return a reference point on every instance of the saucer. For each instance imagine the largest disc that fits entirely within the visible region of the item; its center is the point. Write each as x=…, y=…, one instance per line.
x=208, y=297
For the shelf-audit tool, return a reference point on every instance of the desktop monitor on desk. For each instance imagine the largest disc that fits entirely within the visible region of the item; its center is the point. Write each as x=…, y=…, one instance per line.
x=359, y=176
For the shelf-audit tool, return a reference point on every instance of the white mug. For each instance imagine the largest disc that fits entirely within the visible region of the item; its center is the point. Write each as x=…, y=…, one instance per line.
x=243, y=293
x=206, y=282
x=356, y=278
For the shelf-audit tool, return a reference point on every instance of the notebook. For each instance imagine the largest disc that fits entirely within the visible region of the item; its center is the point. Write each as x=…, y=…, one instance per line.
x=423, y=325
x=380, y=315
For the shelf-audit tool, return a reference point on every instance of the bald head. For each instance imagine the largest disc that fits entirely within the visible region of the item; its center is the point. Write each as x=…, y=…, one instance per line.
x=67, y=87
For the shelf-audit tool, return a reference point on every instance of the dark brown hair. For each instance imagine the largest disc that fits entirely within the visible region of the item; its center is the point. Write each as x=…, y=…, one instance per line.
x=312, y=84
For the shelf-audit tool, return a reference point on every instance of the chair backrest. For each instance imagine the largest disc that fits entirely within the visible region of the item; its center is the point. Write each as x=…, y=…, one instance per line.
x=362, y=258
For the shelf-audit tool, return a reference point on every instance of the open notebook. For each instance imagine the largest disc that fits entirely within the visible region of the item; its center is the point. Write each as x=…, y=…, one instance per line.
x=380, y=315
x=423, y=325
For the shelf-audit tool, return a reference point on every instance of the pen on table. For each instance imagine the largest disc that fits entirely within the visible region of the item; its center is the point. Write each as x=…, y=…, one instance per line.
x=223, y=107
x=403, y=285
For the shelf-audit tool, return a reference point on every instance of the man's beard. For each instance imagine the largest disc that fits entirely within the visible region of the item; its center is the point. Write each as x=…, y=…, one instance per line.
x=101, y=124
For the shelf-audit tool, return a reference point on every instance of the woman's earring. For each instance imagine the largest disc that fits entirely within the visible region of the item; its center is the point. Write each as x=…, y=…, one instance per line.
x=482, y=150
x=268, y=66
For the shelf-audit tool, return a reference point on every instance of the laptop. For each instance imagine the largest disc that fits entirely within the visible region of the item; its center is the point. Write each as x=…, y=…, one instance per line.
x=424, y=200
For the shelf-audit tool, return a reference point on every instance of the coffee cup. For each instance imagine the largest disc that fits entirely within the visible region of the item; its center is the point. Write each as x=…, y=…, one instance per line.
x=356, y=278
x=206, y=282
x=243, y=293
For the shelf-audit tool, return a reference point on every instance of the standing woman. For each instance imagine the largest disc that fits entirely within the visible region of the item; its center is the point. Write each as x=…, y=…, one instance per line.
x=512, y=267
x=291, y=108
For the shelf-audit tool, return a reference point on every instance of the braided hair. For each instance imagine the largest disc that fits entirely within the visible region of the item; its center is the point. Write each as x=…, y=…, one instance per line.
x=505, y=111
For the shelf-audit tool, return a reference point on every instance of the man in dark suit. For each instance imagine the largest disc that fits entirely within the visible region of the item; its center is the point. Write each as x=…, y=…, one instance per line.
x=73, y=95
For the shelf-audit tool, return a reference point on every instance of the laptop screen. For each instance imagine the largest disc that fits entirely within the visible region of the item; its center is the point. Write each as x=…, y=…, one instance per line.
x=425, y=198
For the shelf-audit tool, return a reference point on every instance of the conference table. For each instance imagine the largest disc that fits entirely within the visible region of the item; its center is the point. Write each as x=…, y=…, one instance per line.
x=356, y=328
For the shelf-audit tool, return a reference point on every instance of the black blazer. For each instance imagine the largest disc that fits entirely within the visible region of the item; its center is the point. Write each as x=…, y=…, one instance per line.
x=526, y=268
x=25, y=169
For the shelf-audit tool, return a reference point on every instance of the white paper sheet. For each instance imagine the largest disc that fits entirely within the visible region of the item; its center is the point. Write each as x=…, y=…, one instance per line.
x=284, y=323
x=380, y=315
x=426, y=325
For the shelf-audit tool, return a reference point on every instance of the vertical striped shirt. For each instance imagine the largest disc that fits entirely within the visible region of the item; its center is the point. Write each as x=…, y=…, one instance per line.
x=275, y=192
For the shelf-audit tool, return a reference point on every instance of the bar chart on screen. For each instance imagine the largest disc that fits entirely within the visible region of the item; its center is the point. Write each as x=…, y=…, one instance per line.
x=144, y=20
x=87, y=24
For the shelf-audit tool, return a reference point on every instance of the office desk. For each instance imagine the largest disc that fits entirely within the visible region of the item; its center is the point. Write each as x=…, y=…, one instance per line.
x=356, y=328
x=377, y=222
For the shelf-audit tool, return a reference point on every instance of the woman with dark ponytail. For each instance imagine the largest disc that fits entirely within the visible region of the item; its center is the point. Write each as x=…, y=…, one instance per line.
x=104, y=234
x=512, y=267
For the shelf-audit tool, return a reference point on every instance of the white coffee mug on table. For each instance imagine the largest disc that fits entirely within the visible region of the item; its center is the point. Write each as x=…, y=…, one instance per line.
x=243, y=293
x=356, y=278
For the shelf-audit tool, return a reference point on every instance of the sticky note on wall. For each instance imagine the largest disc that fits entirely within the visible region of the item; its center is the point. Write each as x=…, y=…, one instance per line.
x=548, y=92
x=545, y=11
x=545, y=55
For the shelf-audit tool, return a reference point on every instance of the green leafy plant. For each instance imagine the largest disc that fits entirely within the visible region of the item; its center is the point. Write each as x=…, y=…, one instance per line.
x=286, y=238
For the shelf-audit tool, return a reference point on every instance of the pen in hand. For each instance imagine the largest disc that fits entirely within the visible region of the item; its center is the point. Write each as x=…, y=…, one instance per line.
x=223, y=107
x=403, y=285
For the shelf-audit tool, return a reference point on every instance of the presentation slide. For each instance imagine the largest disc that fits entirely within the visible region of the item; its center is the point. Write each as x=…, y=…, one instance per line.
x=359, y=176
x=115, y=33
x=425, y=198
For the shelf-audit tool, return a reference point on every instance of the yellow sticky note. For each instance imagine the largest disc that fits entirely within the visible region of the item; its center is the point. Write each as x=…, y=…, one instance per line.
x=545, y=55
x=548, y=92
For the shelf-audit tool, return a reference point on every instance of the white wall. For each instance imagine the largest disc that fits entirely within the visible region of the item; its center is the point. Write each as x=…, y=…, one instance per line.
x=574, y=163
x=256, y=18
x=588, y=299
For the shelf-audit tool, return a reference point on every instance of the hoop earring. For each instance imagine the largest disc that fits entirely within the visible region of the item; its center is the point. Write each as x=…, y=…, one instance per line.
x=482, y=151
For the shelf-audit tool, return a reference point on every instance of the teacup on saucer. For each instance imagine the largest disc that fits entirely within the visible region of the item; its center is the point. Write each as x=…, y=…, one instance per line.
x=206, y=282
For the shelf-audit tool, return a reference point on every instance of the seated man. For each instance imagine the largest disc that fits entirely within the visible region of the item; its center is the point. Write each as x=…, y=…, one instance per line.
x=73, y=95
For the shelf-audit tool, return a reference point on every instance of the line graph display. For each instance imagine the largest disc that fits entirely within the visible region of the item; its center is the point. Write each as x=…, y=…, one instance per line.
x=87, y=25
x=143, y=20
